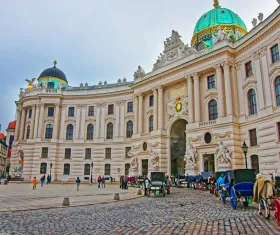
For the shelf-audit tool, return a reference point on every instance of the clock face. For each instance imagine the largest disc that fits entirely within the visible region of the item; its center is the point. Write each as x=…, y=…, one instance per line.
x=178, y=107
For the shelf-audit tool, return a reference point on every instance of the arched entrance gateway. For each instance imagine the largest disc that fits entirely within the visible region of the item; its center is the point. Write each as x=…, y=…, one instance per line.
x=178, y=147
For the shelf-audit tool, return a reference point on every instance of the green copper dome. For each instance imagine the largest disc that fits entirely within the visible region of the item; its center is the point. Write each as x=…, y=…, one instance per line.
x=218, y=16
x=217, y=25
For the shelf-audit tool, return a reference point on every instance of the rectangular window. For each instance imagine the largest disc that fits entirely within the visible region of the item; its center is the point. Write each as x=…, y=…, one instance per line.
x=45, y=152
x=30, y=113
x=253, y=137
x=67, y=153
x=127, y=149
x=87, y=169
x=108, y=153
x=249, y=69
x=151, y=100
x=50, y=111
x=129, y=107
x=110, y=109
x=107, y=169
x=211, y=81
x=278, y=128
x=71, y=112
x=91, y=111
x=275, y=53
x=88, y=153
x=66, y=169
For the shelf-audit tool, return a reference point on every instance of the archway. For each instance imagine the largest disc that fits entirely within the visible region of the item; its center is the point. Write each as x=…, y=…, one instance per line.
x=178, y=147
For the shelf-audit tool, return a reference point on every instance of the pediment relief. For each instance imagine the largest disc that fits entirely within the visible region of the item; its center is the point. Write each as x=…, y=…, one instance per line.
x=178, y=106
x=109, y=119
x=250, y=81
x=211, y=94
x=129, y=115
x=174, y=49
x=91, y=119
x=150, y=111
x=275, y=72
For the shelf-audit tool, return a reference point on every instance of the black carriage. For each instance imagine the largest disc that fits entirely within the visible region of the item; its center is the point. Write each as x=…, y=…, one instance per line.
x=277, y=185
x=157, y=185
x=238, y=184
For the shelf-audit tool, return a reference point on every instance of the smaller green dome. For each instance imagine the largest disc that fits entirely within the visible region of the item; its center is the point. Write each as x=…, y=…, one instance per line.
x=218, y=16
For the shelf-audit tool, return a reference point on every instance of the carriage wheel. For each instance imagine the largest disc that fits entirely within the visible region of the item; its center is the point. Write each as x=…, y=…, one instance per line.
x=223, y=196
x=233, y=199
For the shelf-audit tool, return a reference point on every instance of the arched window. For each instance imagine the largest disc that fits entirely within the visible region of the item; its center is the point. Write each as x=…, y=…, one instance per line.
x=66, y=169
x=49, y=131
x=28, y=132
x=90, y=132
x=277, y=90
x=252, y=102
x=110, y=130
x=87, y=169
x=107, y=169
x=213, y=110
x=151, y=123
x=50, y=85
x=255, y=163
x=43, y=168
x=69, y=132
x=129, y=129
x=126, y=168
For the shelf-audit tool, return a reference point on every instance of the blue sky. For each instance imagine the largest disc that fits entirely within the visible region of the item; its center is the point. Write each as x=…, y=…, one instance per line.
x=94, y=40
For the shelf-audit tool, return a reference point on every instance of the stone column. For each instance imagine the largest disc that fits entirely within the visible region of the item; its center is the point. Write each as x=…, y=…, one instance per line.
x=35, y=134
x=190, y=97
x=56, y=121
x=160, y=108
x=235, y=90
x=102, y=121
x=78, y=119
x=117, y=127
x=42, y=120
x=196, y=97
x=32, y=121
x=62, y=135
x=140, y=123
x=155, y=108
x=19, y=113
x=122, y=124
x=97, y=124
x=265, y=73
x=260, y=91
x=22, y=124
x=221, y=100
x=240, y=88
x=135, y=109
x=228, y=88
x=83, y=122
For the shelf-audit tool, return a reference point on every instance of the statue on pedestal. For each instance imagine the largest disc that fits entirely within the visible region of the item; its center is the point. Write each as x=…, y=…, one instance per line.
x=223, y=154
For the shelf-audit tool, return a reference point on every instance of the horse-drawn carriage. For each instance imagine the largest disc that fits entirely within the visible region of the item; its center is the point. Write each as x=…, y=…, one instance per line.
x=238, y=184
x=157, y=185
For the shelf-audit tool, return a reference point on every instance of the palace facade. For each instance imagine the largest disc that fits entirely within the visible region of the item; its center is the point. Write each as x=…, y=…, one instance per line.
x=190, y=114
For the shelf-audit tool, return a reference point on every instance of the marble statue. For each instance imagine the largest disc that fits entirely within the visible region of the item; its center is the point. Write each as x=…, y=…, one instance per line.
x=134, y=163
x=190, y=155
x=254, y=22
x=153, y=160
x=223, y=154
x=139, y=73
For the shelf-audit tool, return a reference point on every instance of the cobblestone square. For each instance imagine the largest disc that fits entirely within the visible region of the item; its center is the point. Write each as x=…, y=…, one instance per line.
x=183, y=212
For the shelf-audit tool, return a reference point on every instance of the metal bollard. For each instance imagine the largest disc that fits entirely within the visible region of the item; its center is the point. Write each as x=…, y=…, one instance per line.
x=117, y=196
x=66, y=201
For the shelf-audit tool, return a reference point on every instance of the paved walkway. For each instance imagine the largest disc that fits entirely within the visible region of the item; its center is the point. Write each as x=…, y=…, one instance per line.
x=16, y=197
x=183, y=212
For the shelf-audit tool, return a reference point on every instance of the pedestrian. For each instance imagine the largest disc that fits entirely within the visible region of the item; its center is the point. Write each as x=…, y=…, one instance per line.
x=48, y=179
x=111, y=178
x=43, y=178
x=125, y=181
x=99, y=181
x=78, y=181
x=103, y=181
x=34, y=183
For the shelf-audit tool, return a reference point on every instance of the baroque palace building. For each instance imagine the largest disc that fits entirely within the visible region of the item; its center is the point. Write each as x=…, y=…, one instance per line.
x=190, y=114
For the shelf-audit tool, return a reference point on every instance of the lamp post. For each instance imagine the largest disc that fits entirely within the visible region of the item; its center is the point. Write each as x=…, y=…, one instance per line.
x=91, y=172
x=51, y=172
x=245, y=150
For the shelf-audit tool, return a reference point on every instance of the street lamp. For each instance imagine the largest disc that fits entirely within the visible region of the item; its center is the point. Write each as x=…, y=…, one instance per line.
x=91, y=172
x=51, y=172
x=245, y=150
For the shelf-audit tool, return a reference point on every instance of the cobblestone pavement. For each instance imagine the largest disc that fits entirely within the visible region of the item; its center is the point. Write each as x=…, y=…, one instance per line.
x=183, y=212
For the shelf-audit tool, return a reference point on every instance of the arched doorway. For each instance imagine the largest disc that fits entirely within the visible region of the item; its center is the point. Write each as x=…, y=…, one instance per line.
x=178, y=147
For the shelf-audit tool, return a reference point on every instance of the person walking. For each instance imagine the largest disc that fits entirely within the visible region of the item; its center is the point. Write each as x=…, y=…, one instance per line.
x=103, y=182
x=99, y=181
x=125, y=181
x=43, y=178
x=34, y=183
x=78, y=181
x=48, y=179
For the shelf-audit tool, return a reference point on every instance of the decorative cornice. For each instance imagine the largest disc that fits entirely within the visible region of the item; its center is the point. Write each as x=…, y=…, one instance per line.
x=248, y=82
